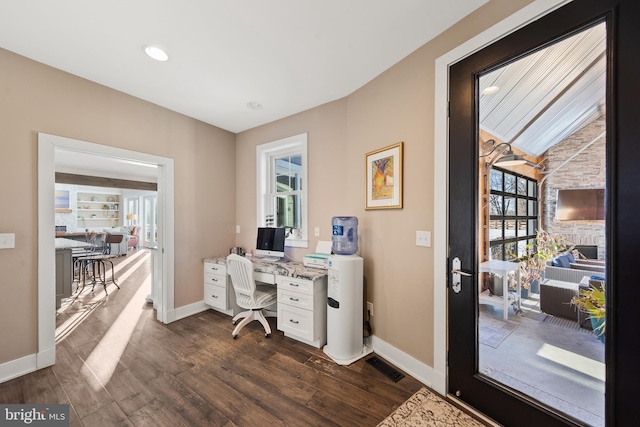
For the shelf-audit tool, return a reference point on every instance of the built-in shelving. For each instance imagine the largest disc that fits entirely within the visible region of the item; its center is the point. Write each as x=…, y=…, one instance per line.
x=100, y=209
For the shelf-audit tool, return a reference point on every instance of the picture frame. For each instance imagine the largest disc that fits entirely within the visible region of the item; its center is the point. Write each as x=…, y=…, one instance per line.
x=62, y=201
x=383, y=177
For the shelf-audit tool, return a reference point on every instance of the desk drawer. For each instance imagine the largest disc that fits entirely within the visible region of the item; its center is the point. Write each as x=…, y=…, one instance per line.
x=295, y=321
x=295, y=299
x=215, y=296
x=215, y=279
x=212, y=267
x=296, y=285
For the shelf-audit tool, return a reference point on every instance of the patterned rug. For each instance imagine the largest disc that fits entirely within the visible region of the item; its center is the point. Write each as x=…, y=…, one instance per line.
x=425, y=408
x=493, y=331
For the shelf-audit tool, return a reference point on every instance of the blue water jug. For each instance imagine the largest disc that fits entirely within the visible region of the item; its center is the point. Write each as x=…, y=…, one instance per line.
x=344, y=235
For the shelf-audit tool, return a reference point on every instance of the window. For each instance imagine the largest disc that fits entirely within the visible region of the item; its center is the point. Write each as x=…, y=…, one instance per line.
x=513, y=214
x=131, y=208
x=282, y=187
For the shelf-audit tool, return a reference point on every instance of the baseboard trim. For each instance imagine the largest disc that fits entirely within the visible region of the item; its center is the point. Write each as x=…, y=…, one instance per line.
x=423, y=373
x=46, y=358
x=189, y=310
x=18, y=367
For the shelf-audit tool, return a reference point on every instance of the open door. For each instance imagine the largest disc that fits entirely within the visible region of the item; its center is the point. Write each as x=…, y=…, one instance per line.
x=498, y=398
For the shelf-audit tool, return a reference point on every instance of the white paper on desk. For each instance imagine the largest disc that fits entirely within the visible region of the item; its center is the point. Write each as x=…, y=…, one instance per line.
x=323, y=247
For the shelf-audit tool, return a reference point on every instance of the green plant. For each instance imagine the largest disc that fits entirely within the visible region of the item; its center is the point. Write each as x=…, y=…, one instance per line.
x=545, y=248
x=592, y=301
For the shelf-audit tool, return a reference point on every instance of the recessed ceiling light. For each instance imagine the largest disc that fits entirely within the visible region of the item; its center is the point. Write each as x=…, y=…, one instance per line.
x=254, y=105
x=490, y=90
x=155, y=53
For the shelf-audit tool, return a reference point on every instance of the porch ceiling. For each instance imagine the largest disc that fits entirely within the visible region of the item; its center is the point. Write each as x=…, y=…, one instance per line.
x=547, y=95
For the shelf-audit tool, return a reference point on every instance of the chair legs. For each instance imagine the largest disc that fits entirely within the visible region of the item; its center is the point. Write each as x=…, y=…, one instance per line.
x=94, y=269
x=248, y=317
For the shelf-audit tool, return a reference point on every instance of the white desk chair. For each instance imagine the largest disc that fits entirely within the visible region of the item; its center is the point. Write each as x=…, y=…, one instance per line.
x=254, y=298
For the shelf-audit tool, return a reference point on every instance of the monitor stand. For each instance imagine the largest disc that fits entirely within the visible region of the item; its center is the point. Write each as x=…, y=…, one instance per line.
x=270, y=258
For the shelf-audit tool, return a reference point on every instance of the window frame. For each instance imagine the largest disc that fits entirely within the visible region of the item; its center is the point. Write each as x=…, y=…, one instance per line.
x=266, y=154
x=530, y=235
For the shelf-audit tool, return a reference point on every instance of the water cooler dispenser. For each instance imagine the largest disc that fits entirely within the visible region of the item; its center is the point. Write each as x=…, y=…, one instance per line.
x=345, y=343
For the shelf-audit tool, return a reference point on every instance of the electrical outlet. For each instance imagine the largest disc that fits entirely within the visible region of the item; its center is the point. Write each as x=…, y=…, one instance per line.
x=370, y=308
x=237, y=229
x=317, y=231
x=423, y=238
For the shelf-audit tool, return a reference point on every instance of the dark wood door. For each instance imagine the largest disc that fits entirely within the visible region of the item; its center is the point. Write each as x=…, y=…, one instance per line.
x=622, y=205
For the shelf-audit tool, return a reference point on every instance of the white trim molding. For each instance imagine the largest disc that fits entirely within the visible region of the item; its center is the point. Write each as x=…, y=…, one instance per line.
x=47, y=145
x=418, y=370
x=18, y=367
x=266, y=154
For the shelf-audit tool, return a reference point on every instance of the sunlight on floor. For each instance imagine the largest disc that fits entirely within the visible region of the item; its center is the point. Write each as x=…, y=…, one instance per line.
x=63, y=330
x=574, y=361
x=104, y=359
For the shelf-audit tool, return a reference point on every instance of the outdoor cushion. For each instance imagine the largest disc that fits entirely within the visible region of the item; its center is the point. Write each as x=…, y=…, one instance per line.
x=570, y=257
x=561, y=261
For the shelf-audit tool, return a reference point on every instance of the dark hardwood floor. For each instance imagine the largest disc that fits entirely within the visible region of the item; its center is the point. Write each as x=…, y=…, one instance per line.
x=117, y=365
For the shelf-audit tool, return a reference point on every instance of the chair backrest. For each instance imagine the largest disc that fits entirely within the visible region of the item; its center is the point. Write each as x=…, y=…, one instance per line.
x=241, y=271
x=113, y=238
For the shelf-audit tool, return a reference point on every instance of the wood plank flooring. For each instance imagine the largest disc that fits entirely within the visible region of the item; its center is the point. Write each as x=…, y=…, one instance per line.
x=117, y=365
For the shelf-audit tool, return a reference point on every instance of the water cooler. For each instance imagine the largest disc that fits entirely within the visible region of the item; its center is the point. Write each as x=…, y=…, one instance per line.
x=345, y=343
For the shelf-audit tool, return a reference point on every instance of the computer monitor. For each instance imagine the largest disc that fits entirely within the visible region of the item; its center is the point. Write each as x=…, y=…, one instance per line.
x=270, y=243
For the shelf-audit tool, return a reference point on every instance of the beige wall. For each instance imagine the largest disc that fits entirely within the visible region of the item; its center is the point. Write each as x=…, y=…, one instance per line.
x=36, y=98
x=396, y=106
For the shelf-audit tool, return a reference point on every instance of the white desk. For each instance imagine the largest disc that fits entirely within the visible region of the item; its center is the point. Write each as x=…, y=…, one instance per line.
x=501, y=268
x=302, y=295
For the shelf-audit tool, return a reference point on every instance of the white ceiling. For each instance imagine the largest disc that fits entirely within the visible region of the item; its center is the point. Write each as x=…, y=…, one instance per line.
x=81, y=163
x=288, y=55
x=548, y=95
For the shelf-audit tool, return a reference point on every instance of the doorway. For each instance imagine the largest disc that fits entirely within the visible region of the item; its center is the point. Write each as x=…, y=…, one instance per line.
x=504, y=403
x=47, y=144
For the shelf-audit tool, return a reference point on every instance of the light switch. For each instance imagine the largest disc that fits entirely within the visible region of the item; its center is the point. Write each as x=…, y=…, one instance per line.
x=237, y=229
x=317, y=231
x=7, y=241
x=423, y=238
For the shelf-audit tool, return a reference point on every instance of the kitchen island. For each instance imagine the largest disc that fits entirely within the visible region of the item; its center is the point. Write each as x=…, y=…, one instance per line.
x=64, y=267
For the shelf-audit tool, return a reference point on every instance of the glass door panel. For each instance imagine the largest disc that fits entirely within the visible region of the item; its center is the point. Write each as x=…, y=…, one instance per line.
x=542, y=347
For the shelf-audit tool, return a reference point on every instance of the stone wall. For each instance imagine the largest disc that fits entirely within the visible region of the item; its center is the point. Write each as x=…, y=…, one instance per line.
x=586, y=170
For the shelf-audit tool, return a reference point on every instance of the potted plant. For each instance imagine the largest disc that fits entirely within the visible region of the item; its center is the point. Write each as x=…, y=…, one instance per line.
x=592, y=301
x=532, y=264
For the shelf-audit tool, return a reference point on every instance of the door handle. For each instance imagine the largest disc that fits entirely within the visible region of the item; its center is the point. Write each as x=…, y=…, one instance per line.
x=457, y=273
x=462, y=273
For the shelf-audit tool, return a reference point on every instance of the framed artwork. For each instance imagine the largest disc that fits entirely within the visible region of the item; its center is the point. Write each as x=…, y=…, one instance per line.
x=62, y=201
x=383, y=178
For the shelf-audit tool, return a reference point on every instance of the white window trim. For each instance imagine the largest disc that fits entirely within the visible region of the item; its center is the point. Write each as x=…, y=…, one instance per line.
x=265, y=153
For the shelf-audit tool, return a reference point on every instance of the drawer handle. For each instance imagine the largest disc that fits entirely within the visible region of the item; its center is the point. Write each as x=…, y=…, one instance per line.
x=214, y=279
x=214, y=296
x=293, y=321
x=294, y=284
x=214, y=268
x=294, y=299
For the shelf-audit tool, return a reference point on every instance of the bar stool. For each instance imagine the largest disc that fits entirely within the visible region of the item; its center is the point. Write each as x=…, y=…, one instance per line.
x=112, y=239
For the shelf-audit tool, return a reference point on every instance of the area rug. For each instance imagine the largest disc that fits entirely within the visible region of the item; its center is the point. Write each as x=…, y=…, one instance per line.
x=493, y=331
x=425, y=408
